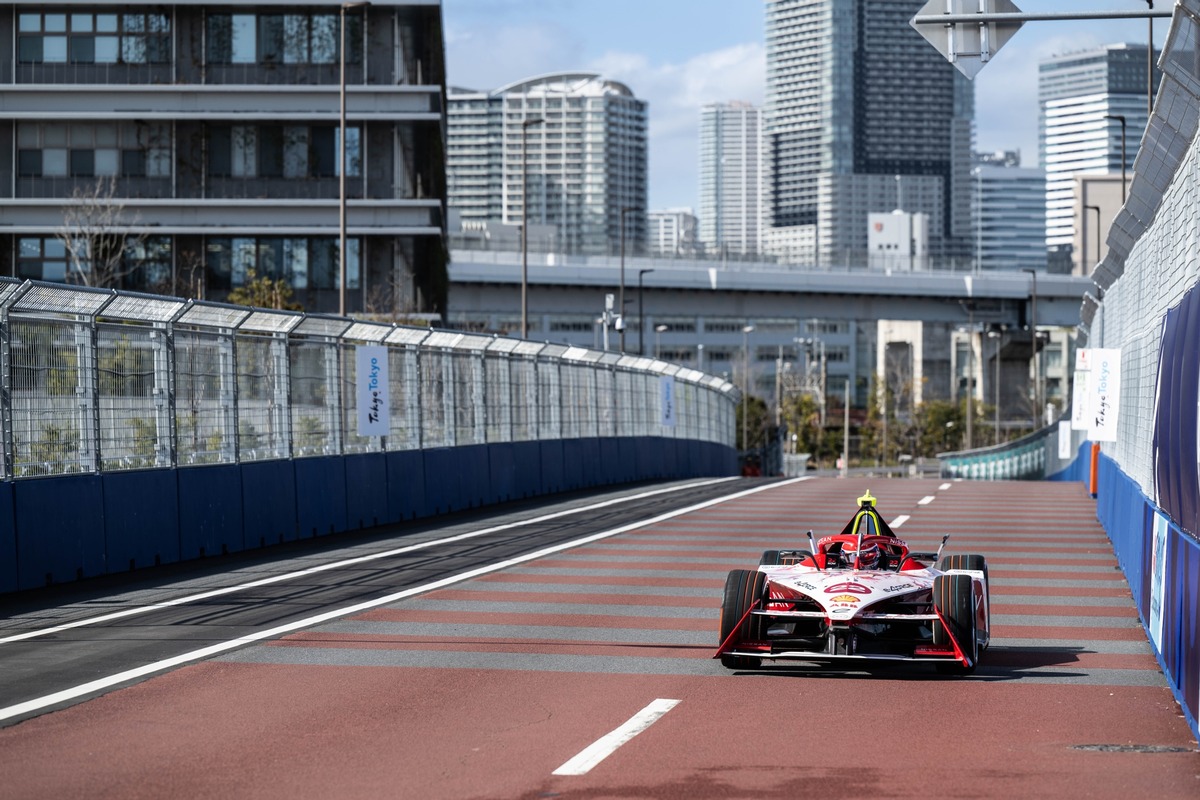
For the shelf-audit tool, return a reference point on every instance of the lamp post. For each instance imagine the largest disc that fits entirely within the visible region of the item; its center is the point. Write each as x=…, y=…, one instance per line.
x=970, y=407
x=342, y=154
x=526, y=124
x=621, y=292
x=746, y=330
x=1096, y=257
x=1121, y=119
x=978, y=218
x=658, y=331
x=995, y=334
x=1034, y=338
x=641, y=318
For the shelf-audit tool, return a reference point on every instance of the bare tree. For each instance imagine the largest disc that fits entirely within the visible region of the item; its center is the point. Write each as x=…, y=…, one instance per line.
x=97, y=236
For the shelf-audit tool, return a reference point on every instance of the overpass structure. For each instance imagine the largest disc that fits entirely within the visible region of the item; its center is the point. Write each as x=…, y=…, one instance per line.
x=719, y=317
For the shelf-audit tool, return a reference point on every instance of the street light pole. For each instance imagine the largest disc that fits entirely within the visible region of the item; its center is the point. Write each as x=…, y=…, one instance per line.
x=342, y=155
x=970, y=375
x=993, y=334
x=641, y=318
x=621, y=293
x=1121, y=119
x=1037, y=400
x=745, y=381
x=525, y=126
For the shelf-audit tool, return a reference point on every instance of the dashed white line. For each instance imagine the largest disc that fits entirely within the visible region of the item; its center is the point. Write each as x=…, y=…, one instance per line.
x=926, y=500
x=110, y=681
x=900, y=520
x=944, y=487
x=606, y=745
x=192, y=598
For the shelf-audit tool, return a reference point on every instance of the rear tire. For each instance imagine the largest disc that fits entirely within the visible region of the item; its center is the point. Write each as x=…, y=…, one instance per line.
x=954, y=598
x=770, y=558
x=742, y=588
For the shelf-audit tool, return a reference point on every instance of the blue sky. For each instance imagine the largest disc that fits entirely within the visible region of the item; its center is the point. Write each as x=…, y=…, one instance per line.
x=680, y=54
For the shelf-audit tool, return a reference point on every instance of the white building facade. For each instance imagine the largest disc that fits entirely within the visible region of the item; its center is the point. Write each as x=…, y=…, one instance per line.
x=1007, y=213
x=576, y=142
x=1083, y=98
x=731, y=178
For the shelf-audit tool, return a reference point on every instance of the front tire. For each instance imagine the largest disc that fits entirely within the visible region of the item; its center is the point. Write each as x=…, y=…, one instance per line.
x=742, y=588
x=954, y=598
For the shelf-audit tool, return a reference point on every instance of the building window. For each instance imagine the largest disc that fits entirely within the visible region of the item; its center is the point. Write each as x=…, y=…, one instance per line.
x=303, y=262
x=145, y=264
x=93, y=149
x=288, y=151
x=313, y=38
x=87, y=38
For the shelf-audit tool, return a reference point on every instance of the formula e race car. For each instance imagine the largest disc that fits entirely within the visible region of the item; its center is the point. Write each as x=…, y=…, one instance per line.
x=857, y=595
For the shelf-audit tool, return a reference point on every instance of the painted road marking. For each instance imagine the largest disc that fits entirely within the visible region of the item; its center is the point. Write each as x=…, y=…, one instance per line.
x=926, y=500
x=232, y=644
x=944, y=487
x=606, y=745
x=129, y=612
x=900, y=520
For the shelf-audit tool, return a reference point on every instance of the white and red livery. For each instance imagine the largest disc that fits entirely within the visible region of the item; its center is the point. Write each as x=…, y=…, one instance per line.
x=861, y=595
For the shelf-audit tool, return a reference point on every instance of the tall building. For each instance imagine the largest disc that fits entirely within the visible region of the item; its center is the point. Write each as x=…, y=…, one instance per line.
x=180, y=147
x=672, y=232
x=576, y=140
x=861, y=116
x=1007, y=212
x=1082, y=99
x=731, y=177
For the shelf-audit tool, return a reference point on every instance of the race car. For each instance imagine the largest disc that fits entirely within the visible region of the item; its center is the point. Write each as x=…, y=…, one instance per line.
x=859, y=595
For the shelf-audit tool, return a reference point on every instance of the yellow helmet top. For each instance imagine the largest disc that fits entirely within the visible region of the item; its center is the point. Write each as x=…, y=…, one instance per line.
x=867, y=500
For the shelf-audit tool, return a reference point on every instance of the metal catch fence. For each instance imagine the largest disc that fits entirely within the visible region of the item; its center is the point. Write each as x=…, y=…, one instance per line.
x=95, y=380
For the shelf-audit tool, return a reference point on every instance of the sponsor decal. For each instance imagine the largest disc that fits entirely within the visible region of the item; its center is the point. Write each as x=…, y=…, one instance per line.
x=852, y=588
x=844, y=599
x=899, y=587
x=806, y=586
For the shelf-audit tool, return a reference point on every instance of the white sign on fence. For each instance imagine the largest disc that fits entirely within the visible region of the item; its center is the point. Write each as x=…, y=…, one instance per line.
x=1065, y=451
x=666, y=394
x=1104, y=395
x=371, y=379
x=1079, y=401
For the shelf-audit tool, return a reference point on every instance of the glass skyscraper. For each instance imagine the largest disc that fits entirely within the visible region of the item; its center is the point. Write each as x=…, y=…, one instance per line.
x=862, y=115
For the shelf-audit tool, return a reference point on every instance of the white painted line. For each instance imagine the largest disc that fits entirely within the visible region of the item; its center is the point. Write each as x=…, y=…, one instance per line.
x=179, y=601
x=944, y=487
x=900, y=520
x=232, y=644
x=606, y=745
x=926, y=500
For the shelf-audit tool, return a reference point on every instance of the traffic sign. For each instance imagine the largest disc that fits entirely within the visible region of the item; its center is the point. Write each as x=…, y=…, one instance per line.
x=967, y=45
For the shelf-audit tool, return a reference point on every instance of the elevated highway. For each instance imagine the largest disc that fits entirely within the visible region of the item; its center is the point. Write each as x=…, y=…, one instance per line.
x=485, y=285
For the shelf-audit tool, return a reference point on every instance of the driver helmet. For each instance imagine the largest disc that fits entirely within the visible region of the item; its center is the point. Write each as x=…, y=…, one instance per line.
x=868, y=557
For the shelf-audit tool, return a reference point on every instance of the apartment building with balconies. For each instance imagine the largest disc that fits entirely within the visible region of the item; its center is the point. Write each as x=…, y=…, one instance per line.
x=200, y=142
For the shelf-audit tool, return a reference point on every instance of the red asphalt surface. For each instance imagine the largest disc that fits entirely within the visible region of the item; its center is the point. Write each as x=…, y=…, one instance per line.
x=484, y=689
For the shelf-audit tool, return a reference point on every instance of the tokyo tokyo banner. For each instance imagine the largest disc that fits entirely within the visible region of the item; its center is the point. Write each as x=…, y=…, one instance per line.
x=666, y=394
x=1079, y=401
x=371, y=385
x=1104, y=394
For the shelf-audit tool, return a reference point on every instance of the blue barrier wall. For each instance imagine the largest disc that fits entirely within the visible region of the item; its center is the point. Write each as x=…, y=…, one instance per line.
x=120, y=521
x=1162, y=564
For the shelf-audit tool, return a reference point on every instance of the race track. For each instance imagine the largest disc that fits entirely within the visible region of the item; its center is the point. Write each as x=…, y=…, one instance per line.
x=587, y=672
